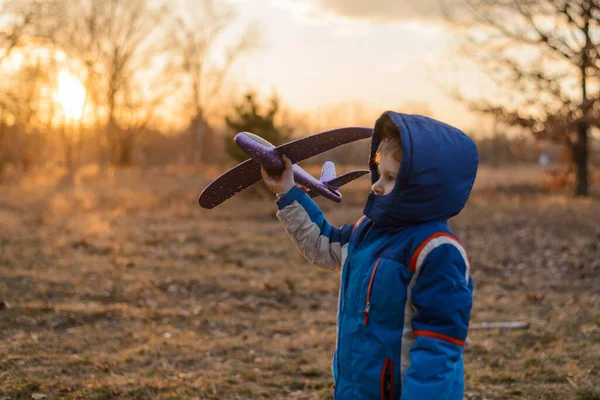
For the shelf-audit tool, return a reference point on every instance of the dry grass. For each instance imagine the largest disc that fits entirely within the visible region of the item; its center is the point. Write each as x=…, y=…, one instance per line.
x=120, y=286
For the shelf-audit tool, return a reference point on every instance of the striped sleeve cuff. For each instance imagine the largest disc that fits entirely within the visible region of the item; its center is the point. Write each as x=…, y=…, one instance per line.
x=288, y=198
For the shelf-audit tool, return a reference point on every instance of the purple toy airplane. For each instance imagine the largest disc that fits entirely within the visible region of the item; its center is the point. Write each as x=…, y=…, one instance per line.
x=262, y=152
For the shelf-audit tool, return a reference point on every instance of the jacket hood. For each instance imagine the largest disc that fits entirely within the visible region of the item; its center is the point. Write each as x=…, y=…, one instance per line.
x=437, y=171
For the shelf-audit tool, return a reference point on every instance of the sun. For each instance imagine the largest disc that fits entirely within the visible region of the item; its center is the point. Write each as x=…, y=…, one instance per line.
x=70, y=95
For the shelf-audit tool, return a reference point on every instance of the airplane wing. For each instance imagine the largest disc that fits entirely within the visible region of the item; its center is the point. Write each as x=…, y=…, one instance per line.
x=310, y=146
x=247, y=173
x=238, y=178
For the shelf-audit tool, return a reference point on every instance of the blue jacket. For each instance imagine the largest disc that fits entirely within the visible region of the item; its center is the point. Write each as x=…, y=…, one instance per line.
x=405, y=289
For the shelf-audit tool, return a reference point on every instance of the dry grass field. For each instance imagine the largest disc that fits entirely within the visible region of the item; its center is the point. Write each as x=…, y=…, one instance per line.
x=119, y=286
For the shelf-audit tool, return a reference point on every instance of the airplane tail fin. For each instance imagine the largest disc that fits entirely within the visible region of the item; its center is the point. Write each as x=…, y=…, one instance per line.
x=328, y=172
x=329, y=178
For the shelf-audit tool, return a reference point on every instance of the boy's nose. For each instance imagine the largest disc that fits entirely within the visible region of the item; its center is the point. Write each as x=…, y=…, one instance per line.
x=376, y=189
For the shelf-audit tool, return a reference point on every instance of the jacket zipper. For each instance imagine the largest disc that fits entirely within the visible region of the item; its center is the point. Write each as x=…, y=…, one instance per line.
x=386, y=382
x=368, y=305
x=343, y=288
x=344, y=281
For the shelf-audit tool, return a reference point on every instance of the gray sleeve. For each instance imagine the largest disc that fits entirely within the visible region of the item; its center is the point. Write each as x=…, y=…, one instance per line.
x=321, y=243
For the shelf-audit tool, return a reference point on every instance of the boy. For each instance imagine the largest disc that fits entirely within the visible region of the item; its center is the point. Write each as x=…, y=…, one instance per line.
x=405, y=291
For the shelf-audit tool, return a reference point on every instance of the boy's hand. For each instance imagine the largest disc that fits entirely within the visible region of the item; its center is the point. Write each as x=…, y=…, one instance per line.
x=279, y=183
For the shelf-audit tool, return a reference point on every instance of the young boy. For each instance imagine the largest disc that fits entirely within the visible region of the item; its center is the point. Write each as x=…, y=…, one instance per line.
x=405, y=290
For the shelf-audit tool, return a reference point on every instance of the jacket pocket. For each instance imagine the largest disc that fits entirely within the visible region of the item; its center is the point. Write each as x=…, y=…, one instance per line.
x=369, y=289
x=386, y=382
x=383, y=295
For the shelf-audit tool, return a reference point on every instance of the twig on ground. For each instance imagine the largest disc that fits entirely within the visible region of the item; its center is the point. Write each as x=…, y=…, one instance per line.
x=501, y=325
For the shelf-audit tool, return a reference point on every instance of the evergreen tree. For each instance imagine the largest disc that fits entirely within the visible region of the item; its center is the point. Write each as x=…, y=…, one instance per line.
x=249, y=116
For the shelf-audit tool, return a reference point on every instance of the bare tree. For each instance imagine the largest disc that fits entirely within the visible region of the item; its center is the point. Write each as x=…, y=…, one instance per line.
x=117, y=43
x=197, y=34
x=26, y=110
x=141, y=101
x=28, y=29
x=22, y=103
x=19, y=20
x=543, y=57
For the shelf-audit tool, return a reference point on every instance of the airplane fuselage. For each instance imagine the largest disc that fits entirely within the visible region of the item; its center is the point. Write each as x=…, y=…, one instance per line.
x=263, y=152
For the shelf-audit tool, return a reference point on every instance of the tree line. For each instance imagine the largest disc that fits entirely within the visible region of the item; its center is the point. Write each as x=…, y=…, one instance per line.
x=142, y=62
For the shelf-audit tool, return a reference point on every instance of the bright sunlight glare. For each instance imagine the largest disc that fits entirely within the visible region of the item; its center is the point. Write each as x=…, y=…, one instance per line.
x=70, y=95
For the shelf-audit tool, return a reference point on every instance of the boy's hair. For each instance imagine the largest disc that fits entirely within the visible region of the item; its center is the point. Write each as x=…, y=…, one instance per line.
x=390, y=141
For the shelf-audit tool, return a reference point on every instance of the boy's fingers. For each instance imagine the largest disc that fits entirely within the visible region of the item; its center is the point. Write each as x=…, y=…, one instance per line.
x=286, y=161
x=264, y=173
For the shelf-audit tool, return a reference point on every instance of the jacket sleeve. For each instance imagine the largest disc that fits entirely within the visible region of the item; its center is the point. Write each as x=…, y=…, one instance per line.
x=442, y=299
x=322, y=244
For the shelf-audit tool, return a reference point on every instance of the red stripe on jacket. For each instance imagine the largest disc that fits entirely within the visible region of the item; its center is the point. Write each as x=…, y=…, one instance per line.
x=413, y=261
x=440, y=336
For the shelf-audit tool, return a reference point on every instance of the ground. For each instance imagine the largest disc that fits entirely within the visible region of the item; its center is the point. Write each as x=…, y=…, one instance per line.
x=118, y=285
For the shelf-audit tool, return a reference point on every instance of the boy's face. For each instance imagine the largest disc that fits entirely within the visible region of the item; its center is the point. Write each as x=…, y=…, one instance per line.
x=388, y=169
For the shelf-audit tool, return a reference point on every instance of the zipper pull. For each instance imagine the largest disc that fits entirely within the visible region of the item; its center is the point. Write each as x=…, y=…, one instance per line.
x=366, y=313
x=368, y=306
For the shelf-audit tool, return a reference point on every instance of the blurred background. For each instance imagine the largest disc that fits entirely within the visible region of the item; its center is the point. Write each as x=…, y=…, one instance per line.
x=115, y=114
x=146, y=83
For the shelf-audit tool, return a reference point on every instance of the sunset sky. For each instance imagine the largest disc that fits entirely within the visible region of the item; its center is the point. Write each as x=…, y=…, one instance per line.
x=382, y=52
x=316, y=54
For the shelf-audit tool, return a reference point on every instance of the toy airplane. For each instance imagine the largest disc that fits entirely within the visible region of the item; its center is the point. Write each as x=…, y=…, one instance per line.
x=262, y=152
